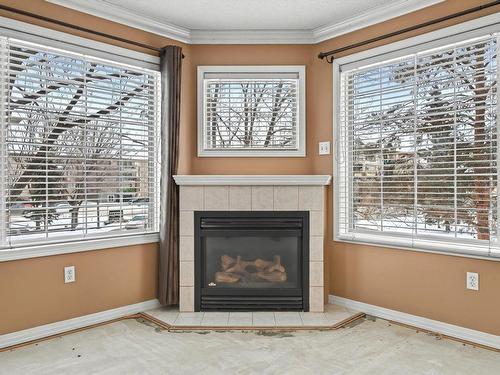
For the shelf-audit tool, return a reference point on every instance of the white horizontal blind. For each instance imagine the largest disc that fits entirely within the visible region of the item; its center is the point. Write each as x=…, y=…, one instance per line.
x=79, y=146
x=417, y=164
x=251, y=111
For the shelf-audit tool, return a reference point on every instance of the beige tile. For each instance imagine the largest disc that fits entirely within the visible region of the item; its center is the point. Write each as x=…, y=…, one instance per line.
x=263, y=319
x=165, y=314
x=316, y=224
x=191, y=198
x=314, y=319
x=186, y=223
x=191, y=315
x=286, y=198
x=188, y=321
x=311, y=197
x=316, y=248
x=215, y=319
x=240, y=319
x=316, y=303
x=186, y=273
x=186, y=299
x=336, y=314
x=216, y=198
x=186, y=248
x=287, y=318
x=262, y=198
x=240, y=198
x=316, y=274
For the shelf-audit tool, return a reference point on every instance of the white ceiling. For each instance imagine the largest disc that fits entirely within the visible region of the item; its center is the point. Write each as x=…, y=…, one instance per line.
x=247, y=21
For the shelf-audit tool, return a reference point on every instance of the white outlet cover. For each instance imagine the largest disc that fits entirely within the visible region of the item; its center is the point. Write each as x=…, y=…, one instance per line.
x=472, y=281
x=69, y=274
x=324, y=148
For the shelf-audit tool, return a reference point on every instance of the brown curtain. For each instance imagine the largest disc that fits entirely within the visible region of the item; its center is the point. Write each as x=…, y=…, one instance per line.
x=170, y=68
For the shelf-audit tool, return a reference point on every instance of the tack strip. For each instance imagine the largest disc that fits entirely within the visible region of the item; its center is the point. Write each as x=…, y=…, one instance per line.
x=452, y=338
x=173, y=328
x=170, y=328
x=36, y=341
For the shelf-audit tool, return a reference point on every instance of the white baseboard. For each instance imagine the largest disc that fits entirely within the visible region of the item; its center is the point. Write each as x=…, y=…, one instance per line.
x=451, y=330
x=46, y=330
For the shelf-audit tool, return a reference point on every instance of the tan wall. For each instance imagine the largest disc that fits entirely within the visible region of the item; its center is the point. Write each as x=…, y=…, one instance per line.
x=417, y=283
x=32, y=291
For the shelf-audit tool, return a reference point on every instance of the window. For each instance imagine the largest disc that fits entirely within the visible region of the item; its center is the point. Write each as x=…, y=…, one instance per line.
x=251, y=111
x=417, y=150
x=79, y=146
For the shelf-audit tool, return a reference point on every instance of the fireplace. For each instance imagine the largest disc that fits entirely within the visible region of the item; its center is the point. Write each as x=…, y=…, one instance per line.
x=251, y=260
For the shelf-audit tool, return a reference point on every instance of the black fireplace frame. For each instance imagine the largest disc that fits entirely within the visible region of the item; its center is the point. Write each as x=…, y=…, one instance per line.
x=270, y=296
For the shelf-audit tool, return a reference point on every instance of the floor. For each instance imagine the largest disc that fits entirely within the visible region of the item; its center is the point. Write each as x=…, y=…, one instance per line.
x=332, y=316
x=368, y=346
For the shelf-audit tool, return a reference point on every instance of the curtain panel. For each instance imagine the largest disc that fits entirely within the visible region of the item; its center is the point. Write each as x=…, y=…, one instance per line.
x=170, y=68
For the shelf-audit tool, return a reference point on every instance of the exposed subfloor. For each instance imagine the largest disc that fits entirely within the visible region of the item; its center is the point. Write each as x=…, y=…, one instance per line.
x=138, y=347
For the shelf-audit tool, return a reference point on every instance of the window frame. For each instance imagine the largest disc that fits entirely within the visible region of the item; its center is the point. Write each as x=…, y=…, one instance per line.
x=100, y=51
x=257, y=69
x=435, y=39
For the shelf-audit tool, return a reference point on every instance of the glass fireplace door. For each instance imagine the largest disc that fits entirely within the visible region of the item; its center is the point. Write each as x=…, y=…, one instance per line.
x=260, y=260
x=251, y=260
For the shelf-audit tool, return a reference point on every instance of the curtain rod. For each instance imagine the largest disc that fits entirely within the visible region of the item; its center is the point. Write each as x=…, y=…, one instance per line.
x=79, y=28
x=330, y=54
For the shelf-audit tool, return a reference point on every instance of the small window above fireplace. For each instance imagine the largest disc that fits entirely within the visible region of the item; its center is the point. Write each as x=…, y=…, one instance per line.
x=251, y=111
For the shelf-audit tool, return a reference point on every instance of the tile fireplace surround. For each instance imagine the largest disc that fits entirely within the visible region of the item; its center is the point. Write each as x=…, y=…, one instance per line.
x=252, y=193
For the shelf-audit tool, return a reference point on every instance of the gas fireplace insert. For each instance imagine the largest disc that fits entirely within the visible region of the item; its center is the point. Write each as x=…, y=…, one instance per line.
x=251, y=260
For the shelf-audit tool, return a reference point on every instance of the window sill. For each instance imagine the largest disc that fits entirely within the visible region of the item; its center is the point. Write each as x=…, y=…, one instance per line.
x=36, y=251
x=251, y=153
x=440, y=250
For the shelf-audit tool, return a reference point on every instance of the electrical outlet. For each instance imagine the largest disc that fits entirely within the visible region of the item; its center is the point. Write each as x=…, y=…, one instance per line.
x=324, y=148
x=472, y=281
x=69, y=274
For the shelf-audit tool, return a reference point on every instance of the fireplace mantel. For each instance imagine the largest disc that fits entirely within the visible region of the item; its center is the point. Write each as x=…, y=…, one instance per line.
x=297, y=180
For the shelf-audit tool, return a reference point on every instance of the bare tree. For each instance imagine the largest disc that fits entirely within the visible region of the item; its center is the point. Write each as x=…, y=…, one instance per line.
x=61, y=137
x=251, y=114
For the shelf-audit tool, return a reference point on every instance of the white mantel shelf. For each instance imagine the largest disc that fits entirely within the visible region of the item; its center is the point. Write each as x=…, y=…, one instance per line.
x=252, y=179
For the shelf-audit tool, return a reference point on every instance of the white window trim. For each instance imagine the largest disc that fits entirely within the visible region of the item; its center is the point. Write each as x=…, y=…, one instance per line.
x=82, y=46
x=449, y=35
x=78, y=246
x=300, y=69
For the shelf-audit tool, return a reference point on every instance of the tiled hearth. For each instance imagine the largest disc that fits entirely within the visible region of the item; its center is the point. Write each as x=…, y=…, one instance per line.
x=252, y=193
x=334, y=316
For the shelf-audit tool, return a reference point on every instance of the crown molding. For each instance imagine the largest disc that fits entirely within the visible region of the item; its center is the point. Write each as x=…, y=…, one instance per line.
x=369, y=18
x=123, y=15
x=251, y=37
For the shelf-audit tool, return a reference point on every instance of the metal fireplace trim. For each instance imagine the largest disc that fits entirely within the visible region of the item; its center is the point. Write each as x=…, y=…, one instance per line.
x=285, y=299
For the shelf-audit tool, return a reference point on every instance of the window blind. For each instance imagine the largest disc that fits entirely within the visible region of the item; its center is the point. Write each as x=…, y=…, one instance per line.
x=79, y=146
x=417, y=150
x=251, y=111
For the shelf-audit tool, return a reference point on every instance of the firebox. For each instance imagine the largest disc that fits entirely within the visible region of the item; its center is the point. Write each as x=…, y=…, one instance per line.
x=251, y=260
